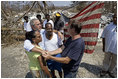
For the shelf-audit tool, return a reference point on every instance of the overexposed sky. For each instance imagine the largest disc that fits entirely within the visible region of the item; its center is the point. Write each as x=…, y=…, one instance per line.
x=61, y=3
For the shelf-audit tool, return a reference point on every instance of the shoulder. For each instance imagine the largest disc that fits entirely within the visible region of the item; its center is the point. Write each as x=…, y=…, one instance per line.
x=42, y=31
x=79, y=41
x=111, y=24
x=27, y=41
x=55, y=34
x=44, y=21
x=51, y=20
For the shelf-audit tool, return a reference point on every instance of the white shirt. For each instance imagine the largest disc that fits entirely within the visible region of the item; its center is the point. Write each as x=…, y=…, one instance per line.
x=110, y=36
x=50, y=21
x=52, y=44
x=28, y=45
x=27, y=27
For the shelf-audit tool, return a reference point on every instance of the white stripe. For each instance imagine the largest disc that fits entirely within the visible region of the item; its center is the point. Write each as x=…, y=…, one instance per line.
x=91, y=30
x=89, y=47
x=66, y=33
x=97, y=3
x=92, y=21
x=89, y=14
x=89, y=38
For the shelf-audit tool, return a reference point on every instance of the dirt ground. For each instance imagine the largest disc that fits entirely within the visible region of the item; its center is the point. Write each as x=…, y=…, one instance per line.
x=14, y=63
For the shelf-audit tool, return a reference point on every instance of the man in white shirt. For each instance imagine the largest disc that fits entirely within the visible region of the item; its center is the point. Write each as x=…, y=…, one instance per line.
x=27, y=26
x=110, y=48
x=36, y=25
x=51, y=43
x=47, y=16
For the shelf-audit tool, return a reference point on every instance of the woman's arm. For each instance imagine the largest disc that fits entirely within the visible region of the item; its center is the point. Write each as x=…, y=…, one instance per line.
x=43, y=66
x=57, y=51
x=35, y=49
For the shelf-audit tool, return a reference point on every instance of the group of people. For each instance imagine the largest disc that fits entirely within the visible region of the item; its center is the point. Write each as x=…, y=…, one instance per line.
x=47, y=52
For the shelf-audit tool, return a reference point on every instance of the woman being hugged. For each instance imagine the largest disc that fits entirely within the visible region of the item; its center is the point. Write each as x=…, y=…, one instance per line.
x=37, y=63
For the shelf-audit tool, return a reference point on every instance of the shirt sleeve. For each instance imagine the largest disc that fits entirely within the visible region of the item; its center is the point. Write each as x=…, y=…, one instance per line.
x=28, y=45
x=105, y=30
x=44, y=23
x=75, y=52
x=60, y=42
x=103, y=33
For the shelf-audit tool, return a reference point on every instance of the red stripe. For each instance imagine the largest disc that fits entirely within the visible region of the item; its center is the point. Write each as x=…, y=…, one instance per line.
x=83, y=9
x=90, y=17
x=66, y=35
x=66, y=25
x=88, y=51
x=91, y=43
x=92, y=9
x=65, y=30
x=89, y=34
x=90, y=26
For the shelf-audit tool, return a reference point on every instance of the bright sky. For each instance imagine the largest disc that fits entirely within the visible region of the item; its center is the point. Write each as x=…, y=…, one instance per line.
x=61, y=3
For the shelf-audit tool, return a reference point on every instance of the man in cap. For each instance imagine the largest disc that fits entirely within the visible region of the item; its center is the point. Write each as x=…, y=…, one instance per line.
x=58, y=24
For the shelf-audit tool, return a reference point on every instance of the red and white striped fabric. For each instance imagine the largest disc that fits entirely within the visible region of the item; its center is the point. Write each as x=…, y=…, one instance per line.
x=89, y=17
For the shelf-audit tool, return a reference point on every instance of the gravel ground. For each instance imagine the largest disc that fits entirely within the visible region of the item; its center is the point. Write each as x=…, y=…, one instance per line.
x=14, y=63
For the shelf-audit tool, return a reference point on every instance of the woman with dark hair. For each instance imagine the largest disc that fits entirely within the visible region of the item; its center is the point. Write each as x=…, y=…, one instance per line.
x=37, y=63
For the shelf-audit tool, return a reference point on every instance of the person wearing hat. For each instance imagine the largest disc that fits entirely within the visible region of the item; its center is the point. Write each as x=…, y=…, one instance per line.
x=58, y=24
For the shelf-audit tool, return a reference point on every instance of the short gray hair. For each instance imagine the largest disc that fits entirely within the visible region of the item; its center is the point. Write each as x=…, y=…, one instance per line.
x=32, y=22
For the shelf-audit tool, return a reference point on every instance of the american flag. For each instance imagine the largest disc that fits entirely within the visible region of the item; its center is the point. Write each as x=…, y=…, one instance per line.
x=89, y=17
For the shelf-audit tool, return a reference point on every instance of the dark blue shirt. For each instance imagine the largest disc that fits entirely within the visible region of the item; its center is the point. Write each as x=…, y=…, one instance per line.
x=74, y=49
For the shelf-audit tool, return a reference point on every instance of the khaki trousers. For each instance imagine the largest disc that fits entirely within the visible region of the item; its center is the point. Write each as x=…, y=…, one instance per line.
x=109, y=62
